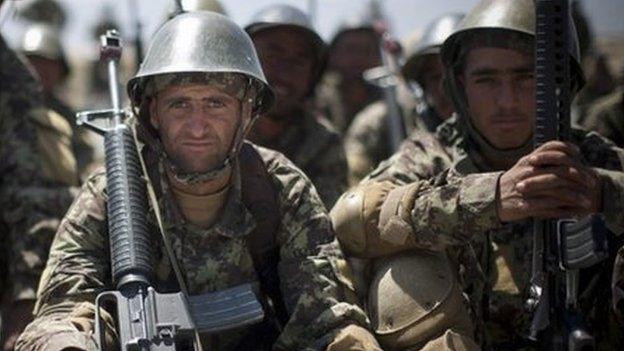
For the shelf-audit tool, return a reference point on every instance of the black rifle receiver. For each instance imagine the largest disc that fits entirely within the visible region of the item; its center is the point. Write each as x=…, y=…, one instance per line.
x=560, y=247
x=147, y=319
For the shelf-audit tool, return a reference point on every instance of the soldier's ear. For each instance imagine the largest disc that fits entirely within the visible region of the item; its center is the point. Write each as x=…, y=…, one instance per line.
x=153, y=115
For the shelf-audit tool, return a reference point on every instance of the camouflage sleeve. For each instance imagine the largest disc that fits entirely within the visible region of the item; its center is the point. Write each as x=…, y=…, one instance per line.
x=77, y=270
x=365, y=141
x=413, y=200
x=310, y=269
x=608, y=160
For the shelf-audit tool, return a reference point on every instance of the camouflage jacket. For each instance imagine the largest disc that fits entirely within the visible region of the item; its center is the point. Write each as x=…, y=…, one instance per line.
x=210, y=259
x=606, y=116
x=314, y=146
x=31, y=205
x=367, y=139
x=455, y=206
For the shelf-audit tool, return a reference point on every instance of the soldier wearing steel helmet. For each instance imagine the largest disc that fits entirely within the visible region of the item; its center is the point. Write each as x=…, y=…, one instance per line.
x=42, y=47
x=343, y=92
x=366, y=140
x=456, y=209
x=292, y=56
x=233, y=212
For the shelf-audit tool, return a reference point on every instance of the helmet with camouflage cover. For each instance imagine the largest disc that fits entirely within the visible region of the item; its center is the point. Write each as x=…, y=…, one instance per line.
x=204, y=48
x=44, y=40
x=500, y=17
x=434, y=35
x=288, y=17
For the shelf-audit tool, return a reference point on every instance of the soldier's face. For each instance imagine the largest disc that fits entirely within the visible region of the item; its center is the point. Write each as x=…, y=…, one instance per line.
x=354, y=52
x=287, y=59
x=196, y=125
x=500, y=93
x=433, y=71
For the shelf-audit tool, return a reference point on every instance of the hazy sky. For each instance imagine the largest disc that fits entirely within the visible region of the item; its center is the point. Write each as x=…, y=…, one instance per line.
x=606, y=16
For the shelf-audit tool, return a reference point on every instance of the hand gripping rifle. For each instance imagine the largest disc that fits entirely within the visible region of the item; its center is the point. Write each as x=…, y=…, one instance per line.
x=146, y=319
x=560, y=247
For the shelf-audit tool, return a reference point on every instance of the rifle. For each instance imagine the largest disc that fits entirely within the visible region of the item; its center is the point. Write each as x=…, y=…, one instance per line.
x=386, y=77
x=146, y=319
x=561, y=247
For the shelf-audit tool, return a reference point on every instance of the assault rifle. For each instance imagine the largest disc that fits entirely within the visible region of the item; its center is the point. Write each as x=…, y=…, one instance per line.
x=386, y=77
x=147, y=320
x=560, y=247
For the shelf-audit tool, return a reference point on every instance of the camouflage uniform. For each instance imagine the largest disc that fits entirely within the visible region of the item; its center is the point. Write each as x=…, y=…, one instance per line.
x=310, y=285
x=457, y=206
x=606, y=117
x=31, y=204
x=211, y=259
x=307, y=138
x=314, y=146
x=366, y=141
x=438, y=194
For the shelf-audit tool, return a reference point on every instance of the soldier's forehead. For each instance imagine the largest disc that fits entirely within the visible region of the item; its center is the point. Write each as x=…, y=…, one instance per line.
x=231, y=83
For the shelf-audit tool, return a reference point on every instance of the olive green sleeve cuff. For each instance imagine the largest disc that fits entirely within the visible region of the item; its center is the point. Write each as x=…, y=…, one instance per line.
x=478, y=198
x=612, y=199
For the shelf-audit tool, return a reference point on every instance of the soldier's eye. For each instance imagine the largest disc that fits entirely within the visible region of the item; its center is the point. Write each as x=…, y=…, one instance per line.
x=215, y=103
x=179, y=104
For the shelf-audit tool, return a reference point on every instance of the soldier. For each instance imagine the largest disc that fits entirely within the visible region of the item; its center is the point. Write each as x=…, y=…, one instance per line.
x=474, y=213
x=606, y=117
x=343, y=92
x=292, y=56
x=191, y=115
x=33, y=191
x=42, y=46
x=366, y=140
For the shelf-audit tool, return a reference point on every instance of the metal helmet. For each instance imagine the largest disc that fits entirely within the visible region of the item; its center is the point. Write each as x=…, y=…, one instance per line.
x=201, y=41
x=203, y=5
x=44, y=40
x=429, y=44
x=361, y=21
x=286, y=16
x=504, y=15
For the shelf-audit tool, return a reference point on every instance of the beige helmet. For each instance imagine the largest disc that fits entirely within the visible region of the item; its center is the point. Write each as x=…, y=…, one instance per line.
x=44, y=40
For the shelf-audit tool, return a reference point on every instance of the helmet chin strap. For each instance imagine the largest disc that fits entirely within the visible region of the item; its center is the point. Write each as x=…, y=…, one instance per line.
x=246, y=121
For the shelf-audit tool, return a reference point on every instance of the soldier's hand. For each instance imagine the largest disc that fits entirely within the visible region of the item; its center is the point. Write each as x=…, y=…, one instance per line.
x=550, y=182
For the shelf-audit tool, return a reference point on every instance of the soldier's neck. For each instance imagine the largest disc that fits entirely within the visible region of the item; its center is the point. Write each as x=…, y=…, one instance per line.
x=201, y=203
x=203, y=188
